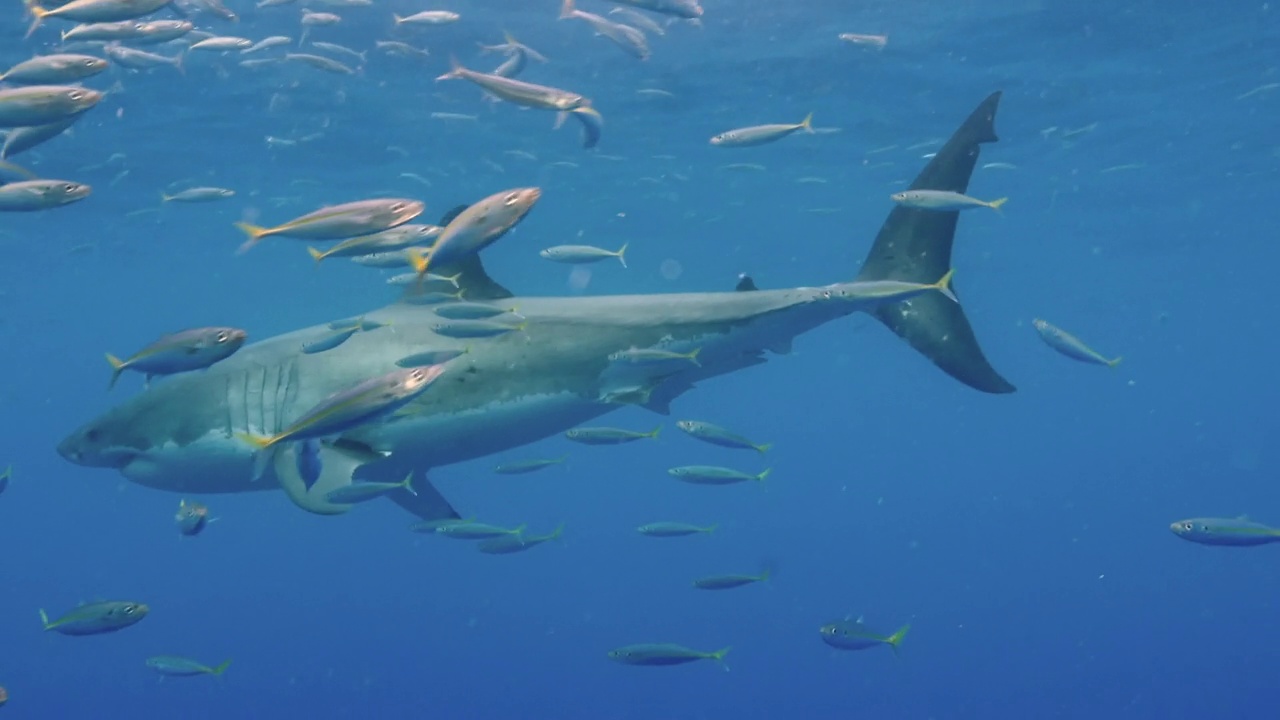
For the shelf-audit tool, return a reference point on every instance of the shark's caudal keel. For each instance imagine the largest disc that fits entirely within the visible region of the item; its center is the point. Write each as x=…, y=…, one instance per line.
x=525, y=385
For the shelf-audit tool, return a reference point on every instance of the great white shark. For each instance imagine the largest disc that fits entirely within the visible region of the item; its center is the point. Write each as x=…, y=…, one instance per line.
x=183, y=434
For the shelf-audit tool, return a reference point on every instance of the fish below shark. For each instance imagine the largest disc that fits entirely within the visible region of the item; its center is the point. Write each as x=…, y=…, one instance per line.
x=553, y=374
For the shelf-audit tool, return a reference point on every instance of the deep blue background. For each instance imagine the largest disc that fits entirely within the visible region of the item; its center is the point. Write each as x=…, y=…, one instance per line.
x=1024, y=537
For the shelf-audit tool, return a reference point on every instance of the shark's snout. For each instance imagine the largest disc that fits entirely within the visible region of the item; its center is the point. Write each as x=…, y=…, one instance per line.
x=87, y=447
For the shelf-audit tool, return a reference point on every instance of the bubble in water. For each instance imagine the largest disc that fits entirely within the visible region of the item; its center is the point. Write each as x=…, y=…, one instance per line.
x=580, y=278
x=671, y=269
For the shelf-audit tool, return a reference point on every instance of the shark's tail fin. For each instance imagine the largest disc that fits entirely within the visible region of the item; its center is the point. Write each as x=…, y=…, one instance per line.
x=914, y=245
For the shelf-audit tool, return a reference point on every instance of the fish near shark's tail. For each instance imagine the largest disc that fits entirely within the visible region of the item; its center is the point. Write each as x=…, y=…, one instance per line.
x=914, y=245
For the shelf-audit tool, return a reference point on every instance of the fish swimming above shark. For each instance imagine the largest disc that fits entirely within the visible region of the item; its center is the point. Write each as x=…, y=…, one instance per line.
x=498, y=393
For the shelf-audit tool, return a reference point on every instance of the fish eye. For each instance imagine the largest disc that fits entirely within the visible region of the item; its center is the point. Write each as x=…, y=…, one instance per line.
x=1187, y=526
x=397, y=207
x=223, y=336
x=510, y=199
x=69, y=187
x=128, y=609
x=90, y=63
x=75, y=95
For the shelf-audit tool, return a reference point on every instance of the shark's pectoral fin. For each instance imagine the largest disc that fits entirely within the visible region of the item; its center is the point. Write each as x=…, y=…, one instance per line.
x=338, y=465
x=915, y=245
x=428, y=504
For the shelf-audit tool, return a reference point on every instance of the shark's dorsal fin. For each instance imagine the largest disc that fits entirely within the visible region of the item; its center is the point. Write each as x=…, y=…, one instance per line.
x=473, y=281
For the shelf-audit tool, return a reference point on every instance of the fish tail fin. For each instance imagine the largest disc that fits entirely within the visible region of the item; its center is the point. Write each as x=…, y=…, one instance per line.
x=420, y=262
x=399, y=20
x=178, y=62
x=997, y=203
x=711, y=528
x=255, y=234
x=44, y=619
x=555, y=534
x=914, y=245
x=807, y=123
x=622, y=254
x=260, y=442
x=944, y=286
x=39, y=14
x=762, y=448
x=765, y=474
x=693, y=356
x=1115, y=362
x=509, y=38
x=408, y=483
x=165, y=197
x=7, y=474
x=117, y=367
x=520, y=530
x=316, y=255
x=654, y=433
x=455, y=70
x=453, y=279
x=567, y=9
x=220, y=668
x=718, y=656
x=894, y=640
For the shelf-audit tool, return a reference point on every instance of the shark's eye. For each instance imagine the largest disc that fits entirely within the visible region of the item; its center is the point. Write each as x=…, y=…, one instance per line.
x=91, y=435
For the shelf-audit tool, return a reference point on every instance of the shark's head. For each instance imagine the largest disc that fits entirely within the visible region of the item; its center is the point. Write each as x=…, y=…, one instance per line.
x=100, y=443
x=153, y=448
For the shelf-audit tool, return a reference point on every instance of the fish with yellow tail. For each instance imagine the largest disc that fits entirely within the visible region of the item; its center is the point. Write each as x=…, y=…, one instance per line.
x=517, y=92
x=855, y=635
x=761, y=134
x=183, y=351
x=476, y=228
x=662, y=654
x=95, y=11
x=359, y=404
x=174, y=666
x=339, y=222
x=944, y=201
x=1070, y=345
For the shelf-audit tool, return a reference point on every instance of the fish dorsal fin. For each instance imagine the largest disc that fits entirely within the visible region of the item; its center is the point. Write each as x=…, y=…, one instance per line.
x=745, y=283
x=473, y=281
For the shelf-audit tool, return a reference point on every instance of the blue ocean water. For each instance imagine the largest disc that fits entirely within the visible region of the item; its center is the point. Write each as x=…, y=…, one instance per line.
x=1024, y=537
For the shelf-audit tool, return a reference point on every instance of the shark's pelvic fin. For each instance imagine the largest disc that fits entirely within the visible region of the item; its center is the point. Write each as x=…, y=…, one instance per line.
x=428, y=504
x=914, y=245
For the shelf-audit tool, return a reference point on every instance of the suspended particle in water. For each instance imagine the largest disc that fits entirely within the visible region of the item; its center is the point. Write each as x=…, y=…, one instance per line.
x=671, y=269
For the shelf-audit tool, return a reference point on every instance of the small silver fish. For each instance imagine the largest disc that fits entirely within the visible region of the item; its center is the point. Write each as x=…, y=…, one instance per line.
x=521, y=467
x=328, y=342
x=198, y=195
x=608, y=435
x=33, y=195
x=712, y=475
x=760, y=134
x=474, y=328
x=54, y=69
x=580, y=254
x=717, y=435
x=365, y=491
x=174, y=666
x=1067, y=344
x=943, y=200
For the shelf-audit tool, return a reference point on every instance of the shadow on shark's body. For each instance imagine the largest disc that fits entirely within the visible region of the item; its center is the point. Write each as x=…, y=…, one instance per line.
x=522, y=386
